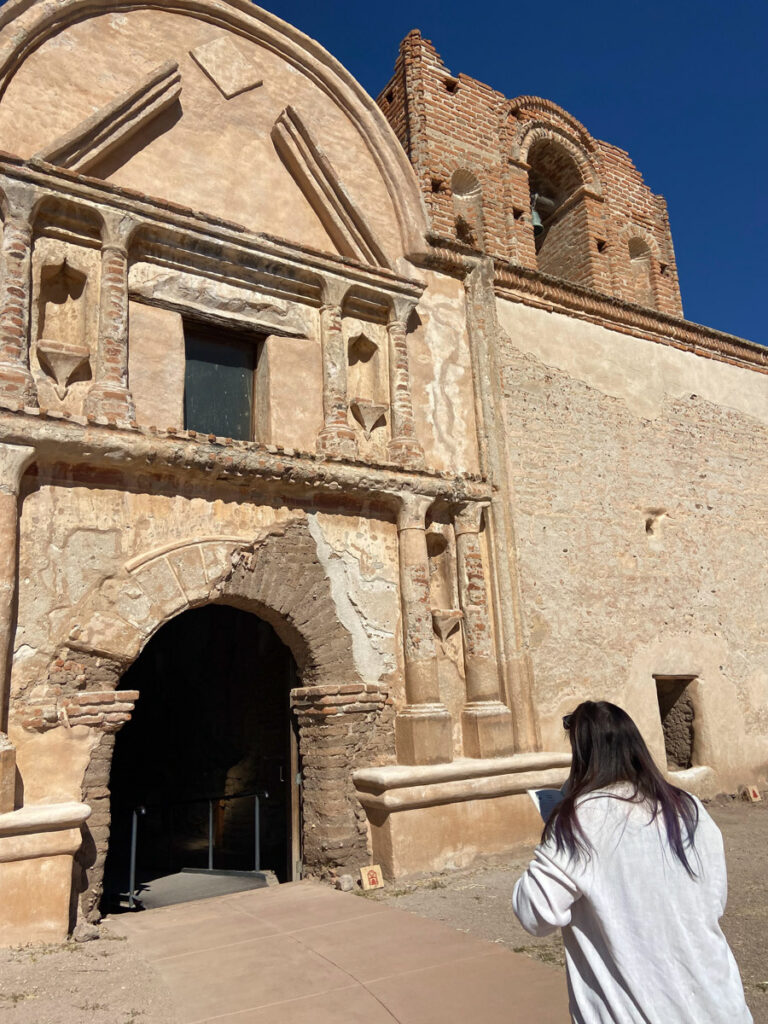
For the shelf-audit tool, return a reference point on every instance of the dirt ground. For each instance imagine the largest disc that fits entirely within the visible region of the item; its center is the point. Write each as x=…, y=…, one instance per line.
x=478, y=900
x=107, y=981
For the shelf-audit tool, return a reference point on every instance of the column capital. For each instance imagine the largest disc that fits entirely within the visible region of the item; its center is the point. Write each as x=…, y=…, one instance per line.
x=14, y=459
x=412, y=510
x=117, y=231
x=21, y=199
x=334, y=290
x=400, y=309
x=468, y=516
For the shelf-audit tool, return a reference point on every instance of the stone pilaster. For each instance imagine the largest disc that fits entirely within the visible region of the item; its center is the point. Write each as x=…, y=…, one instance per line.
x=336, y=437
x=403, y=446
x=14, y=459
x=485, y=720
x=423, y=729
x=16, y=383
x=109, y=394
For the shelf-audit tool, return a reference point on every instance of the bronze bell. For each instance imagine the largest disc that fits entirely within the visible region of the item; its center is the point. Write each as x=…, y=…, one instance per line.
x=538, y=226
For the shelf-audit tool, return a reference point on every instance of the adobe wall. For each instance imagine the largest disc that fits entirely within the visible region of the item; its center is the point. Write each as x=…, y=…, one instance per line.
x=640, y=483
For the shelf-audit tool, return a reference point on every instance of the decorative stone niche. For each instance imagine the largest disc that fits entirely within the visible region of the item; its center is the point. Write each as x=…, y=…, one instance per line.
x=468, y=208
x=446, y=621
x=366, y=345
x=641, y=273
x=64, y=321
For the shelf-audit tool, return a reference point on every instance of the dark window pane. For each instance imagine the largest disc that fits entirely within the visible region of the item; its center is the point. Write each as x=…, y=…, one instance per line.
x=218, y=385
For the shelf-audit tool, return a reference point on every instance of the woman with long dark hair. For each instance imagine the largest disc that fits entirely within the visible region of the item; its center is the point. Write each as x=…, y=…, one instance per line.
x=632, y=869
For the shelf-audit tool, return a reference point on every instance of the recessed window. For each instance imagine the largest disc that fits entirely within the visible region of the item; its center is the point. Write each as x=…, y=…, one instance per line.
x=218, y=381
x=677, y=719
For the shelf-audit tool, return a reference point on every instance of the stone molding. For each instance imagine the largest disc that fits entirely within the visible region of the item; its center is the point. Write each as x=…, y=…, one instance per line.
x=404, y=787
x=255, y=256
x=101, y=133
x=25, y=26
x=519, y=284
x=98, y=442
x=555, y=295
x=331, y=700
x=43, y=818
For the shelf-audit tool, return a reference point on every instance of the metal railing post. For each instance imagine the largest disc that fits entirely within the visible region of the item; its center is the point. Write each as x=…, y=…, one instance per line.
x=210, y=835
x=134, y=839
x=256, y=832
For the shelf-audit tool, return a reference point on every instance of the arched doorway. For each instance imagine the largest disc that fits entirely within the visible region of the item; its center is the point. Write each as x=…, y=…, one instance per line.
x=212, y=728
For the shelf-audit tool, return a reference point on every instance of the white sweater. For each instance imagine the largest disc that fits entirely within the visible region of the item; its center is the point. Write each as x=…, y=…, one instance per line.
x=642, y=939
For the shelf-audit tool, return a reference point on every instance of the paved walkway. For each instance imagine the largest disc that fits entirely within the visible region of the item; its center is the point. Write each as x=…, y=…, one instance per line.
x=305, y=954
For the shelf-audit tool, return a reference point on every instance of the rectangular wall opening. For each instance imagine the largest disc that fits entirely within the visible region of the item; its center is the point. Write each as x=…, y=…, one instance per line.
x=219, y=381
x=677, y=719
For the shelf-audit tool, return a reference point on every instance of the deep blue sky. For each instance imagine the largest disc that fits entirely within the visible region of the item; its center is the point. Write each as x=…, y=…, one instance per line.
x=682, y=85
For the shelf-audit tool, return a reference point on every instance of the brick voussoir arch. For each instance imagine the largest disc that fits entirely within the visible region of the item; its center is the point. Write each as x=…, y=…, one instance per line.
x=277, y=576
x=534, y=132
x=630, y=231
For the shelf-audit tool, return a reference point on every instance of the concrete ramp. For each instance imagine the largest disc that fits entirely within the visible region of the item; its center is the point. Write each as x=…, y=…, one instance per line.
x=305, y=954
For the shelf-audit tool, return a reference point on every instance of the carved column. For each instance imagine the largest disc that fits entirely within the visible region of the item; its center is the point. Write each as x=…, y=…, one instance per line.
x=16, y=382
x=486, y=721
x=423, y=729
x=403, y=446
x=109, y=395
x=337, y=437
x=14, y=459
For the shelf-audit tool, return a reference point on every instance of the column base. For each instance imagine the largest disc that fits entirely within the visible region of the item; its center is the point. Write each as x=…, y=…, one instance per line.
x=486, y=728
x=337, y=439
x=17, y=385
x=406, y=451
x=111, y=400
x=424, y=734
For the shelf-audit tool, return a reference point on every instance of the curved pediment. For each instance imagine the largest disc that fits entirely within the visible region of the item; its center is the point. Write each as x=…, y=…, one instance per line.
x=187, y=103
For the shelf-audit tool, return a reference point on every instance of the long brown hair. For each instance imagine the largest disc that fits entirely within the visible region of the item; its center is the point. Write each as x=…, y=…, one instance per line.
x=608, y=748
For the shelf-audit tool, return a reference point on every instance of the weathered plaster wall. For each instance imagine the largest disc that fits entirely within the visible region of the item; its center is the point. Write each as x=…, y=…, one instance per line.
x=640, y=494
x=213, y=153
x=156, y=365
x=441, y=378
x=94, y=527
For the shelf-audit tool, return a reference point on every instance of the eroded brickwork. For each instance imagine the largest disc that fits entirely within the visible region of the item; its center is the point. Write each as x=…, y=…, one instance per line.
x=340, y=728
x=594, y=196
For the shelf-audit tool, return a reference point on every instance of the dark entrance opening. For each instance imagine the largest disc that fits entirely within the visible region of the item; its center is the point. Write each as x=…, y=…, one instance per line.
x=212, y=730
x=677, y=718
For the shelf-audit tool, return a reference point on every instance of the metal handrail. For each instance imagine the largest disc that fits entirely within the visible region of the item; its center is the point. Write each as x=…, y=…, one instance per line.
x=141, y=810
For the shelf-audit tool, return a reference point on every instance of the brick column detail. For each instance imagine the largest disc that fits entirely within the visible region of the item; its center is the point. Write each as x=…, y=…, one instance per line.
x=109, y=394
x=403, y=446
x=486, y=721
x=14, y=459
x=423, y=728
x=336, y=437
x=16, y=383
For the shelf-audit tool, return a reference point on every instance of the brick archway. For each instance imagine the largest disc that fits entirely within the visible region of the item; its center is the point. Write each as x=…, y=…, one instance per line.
x=344, y=723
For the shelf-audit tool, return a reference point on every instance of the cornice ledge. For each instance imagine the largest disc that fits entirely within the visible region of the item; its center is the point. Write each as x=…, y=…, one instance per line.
x=520, y=284
x=118, y=446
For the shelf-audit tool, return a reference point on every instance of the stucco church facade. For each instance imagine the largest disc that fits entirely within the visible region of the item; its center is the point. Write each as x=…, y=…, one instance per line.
x=345, y=445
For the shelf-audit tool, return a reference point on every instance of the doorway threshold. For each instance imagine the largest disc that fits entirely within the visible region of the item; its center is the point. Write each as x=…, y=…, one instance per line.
x=191, y=884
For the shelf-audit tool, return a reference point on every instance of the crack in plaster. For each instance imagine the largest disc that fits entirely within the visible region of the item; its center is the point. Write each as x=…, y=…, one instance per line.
x=370, y=663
